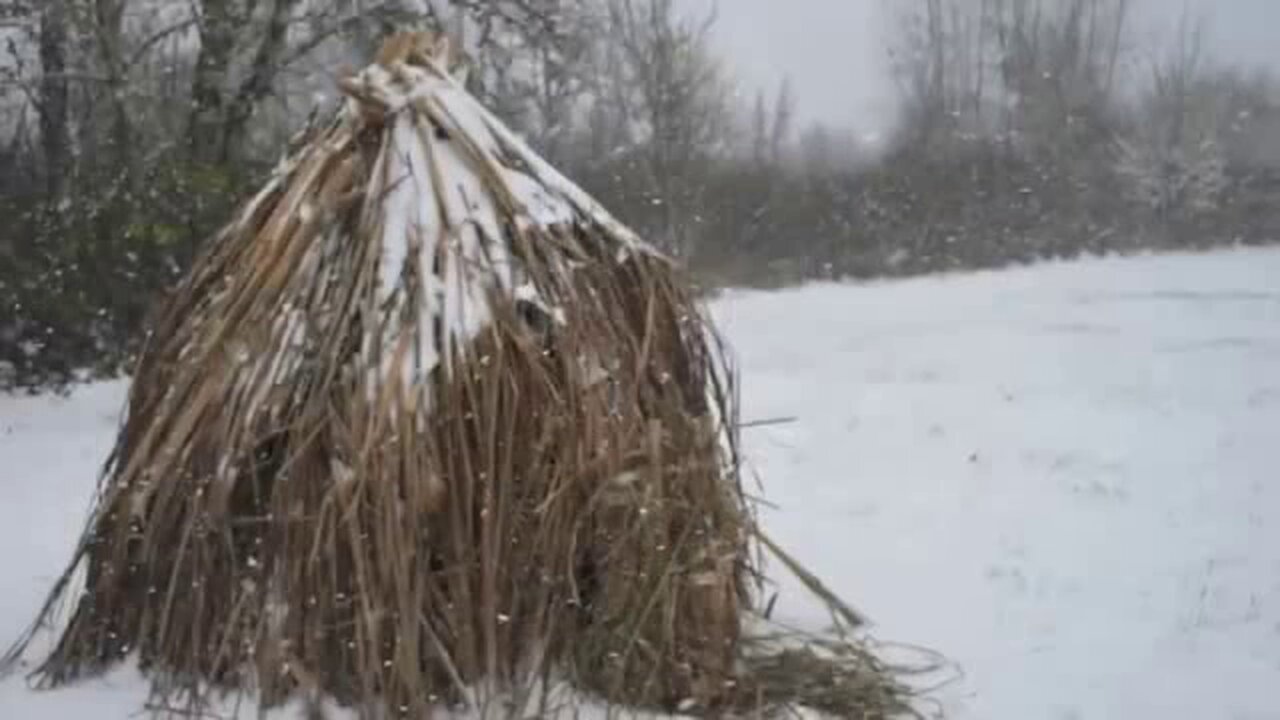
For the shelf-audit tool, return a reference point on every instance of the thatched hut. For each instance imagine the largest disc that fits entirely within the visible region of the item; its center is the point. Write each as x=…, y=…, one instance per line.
x=424, y=423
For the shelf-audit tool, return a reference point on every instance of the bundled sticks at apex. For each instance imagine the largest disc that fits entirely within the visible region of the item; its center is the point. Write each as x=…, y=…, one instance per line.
x=424, y=422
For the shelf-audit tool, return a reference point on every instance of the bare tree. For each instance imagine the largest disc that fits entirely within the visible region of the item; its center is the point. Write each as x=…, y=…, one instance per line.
x=771, y=125
x=1038, y=72
x=1174, y=159
x=674, y=97
x=260, y=78
x=760, y=131
x=784, y=110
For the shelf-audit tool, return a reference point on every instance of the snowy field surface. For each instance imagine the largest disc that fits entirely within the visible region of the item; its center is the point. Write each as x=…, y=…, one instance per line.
x=1064, y=479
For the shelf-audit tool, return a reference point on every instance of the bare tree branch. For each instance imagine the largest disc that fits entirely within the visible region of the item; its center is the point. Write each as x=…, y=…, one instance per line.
x=158, y=37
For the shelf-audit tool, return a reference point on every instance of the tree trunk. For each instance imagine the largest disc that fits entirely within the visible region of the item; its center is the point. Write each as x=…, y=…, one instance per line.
x=208, y=103
x=108, y=27
x=55, y=135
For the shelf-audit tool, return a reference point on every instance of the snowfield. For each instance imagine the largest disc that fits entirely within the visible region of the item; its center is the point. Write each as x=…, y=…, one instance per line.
x=1064, y=479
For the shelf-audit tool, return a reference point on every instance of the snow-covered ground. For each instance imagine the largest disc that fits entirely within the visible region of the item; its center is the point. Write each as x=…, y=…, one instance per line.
x=1065, y=479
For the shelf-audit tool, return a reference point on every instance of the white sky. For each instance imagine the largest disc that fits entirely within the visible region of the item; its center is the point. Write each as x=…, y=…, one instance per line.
x=835, y=51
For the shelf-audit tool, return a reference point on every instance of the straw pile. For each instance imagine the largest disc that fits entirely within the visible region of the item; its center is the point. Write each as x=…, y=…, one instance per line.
x=426, y=424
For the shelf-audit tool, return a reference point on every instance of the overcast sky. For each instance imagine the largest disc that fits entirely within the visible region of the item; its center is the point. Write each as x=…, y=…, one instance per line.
x=835, y=52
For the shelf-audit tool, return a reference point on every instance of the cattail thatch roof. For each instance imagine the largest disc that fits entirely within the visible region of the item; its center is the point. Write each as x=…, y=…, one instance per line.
x=426, y=425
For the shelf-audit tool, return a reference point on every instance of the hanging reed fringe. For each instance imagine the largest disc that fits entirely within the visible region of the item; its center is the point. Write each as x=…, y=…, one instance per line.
x=425, y=426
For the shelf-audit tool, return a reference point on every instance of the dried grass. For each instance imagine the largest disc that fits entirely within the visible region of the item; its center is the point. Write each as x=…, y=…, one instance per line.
x=506, y=460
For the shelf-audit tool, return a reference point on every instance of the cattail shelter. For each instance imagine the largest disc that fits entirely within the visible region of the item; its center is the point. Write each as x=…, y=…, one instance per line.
x=424, y=422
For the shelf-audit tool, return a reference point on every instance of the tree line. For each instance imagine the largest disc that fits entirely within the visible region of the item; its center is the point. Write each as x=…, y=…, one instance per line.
x=1030, y=129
